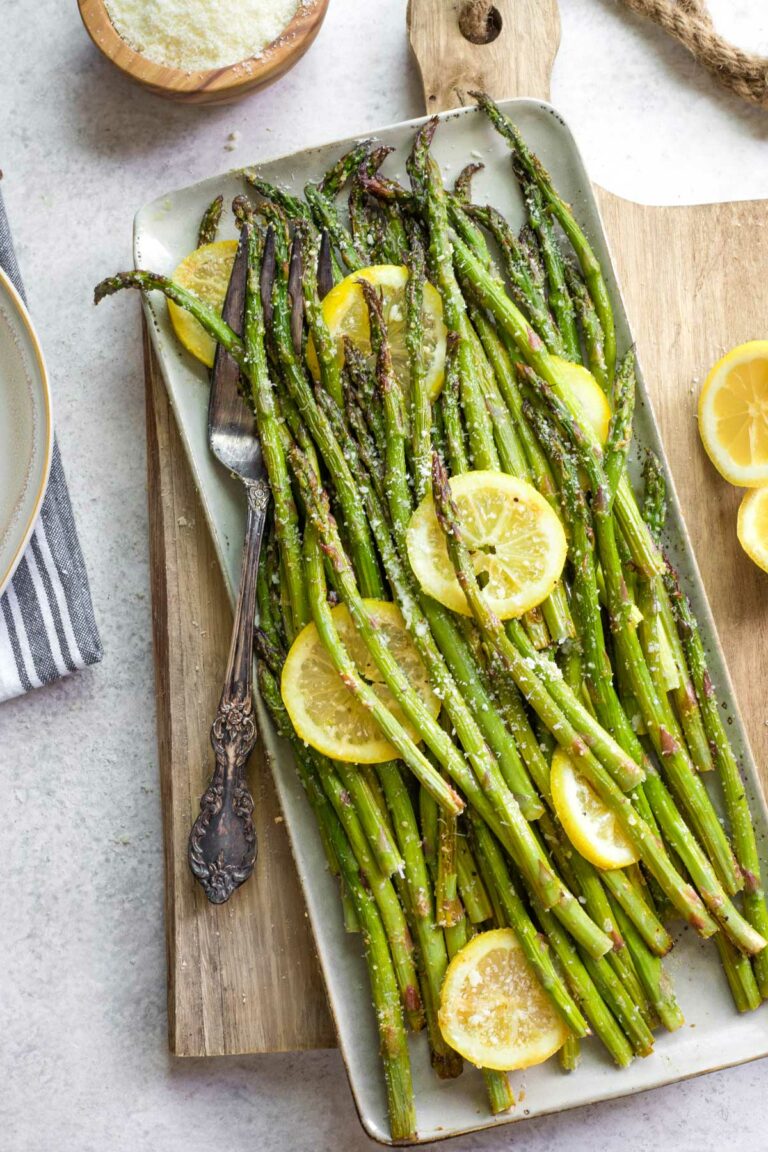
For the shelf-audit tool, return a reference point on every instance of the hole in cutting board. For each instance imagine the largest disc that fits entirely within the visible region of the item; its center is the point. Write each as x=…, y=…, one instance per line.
x=480, y=23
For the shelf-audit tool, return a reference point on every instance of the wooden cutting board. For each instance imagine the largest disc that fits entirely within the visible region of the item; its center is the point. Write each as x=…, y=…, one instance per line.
x=243, y=978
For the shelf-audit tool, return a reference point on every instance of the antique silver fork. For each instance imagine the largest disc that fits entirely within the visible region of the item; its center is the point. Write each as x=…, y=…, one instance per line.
x=222, y=843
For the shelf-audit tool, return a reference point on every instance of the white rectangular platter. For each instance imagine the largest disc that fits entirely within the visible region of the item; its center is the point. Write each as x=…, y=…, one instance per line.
x=714, y=1036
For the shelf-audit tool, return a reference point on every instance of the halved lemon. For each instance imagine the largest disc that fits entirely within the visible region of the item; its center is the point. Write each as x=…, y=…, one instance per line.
x=733, y=415
x=205, y=272
x=515, y=540
x=752, y=526
x=591, y=827
x=324, y=712
x=346, y=314
x=590, y=400
x=493, y=1009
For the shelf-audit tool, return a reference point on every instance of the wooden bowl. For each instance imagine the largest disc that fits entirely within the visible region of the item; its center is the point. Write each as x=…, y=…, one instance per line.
x=211, y=86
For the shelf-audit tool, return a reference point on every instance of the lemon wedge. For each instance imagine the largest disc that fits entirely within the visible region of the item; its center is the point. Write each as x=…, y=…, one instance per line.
x=591, y=827
x=733, y=415
x=515, y=540
x=324, y=712
x=205, y=272
x=752, y=526
x=493, y=1010
x=346, y=314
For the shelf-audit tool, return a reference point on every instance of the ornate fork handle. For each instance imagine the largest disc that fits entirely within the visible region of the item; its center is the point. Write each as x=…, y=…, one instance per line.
x=222, y=843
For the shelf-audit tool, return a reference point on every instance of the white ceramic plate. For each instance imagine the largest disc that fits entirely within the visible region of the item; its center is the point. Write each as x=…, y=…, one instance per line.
x=26, y=429
x=714, y=1036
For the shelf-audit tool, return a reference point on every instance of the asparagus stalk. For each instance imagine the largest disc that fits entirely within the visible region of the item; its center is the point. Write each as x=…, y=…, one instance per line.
x=584, y=878
x=473, y=893
x=294, y=208
x=462, y=187
x=453, y=672
x=428, y=187
x=591, y=328
x=493, y=799
x=300, y=391
x=669, y=819
x=325, y=350
x=532, y=351
x=327, y=219
x=432, y=956
x=525, y=292
x=382, y=889
x=384, y=987
x=421, y=409
x=684, y=695
x=650, y=970
x=535, y=949
x=337, y=176
x=443, y=793
x=358, y=216
x=636, y=828
x=656, y=713
x=448, y=904
x=362, y=798
x=423, y=616
x=559, y=300
x=737, y=804
x=210, y=222
x=590, y=265
x=268, y=425
x=583, y=988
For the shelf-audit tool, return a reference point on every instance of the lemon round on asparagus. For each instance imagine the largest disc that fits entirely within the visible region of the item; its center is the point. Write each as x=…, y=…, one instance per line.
x=733, y=415
x=516, y=543
x=581, y=385
x=752, y=526
x=323, y=710
x=205, y=272
x=493, y=1009
x=591, y=827
x=346, y=314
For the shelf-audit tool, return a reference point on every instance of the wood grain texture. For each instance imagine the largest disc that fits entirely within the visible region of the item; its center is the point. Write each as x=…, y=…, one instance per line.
x=209, y=86
x=694, y=282
x=242, y=977
x=517, y=63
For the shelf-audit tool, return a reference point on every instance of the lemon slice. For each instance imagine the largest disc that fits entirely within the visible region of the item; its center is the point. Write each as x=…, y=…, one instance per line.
x=733, y=415
x=589, y=397
x=205, y=272
x=752, y=526
x=493, y=1009
x=346, y=314
x=324, y=712
x=591, y=827
x=515, y=540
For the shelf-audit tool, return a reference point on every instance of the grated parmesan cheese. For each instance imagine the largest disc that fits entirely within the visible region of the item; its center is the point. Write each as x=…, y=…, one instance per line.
x=198, y=34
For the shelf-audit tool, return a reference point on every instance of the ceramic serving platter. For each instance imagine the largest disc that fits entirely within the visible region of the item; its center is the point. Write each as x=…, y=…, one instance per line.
x=26, y=429
x=714, y=1036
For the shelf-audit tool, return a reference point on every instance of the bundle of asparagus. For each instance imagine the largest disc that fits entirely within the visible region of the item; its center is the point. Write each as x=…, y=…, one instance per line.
x=460, y=830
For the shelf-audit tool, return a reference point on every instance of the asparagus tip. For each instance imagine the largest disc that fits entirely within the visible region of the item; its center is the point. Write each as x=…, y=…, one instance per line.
x=115, y=283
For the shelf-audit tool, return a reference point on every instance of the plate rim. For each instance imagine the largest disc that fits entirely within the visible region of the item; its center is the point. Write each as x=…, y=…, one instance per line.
x=22, y=311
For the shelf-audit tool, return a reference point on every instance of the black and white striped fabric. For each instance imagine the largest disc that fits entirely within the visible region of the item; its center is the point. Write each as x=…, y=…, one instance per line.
x=47, y=627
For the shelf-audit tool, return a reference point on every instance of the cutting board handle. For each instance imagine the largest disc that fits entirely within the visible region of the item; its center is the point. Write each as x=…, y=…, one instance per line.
x=516, y=62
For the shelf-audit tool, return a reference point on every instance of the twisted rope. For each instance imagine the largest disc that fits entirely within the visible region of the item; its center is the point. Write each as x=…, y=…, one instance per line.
x=689, y=21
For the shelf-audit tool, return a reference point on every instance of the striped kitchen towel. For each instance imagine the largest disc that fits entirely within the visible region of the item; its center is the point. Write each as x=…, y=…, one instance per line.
x=47, y=627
